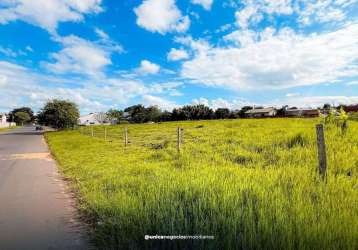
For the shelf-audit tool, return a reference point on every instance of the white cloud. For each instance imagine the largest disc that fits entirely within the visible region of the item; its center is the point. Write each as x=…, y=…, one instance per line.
x=161, y=16
x=310, y=11
x=7, y=52
x=81, y=56
x=292, y=101
x=29, y=48
x=160, y=88
x=205, y=3
x=223, y=103
x=241, y=37
x=317, y=101
x=244, y=16
x=101, y=34
x=47, y=14
x=201, y=100
x=147, y=67
x=177, y=54
x=224, y=28
x=277, y=60
x=199, y=46
x=3, y=80
x=292, y=94
x=306, y=12
x=150, y=100
x=254, y=11
x=91, y=96
x=352, y=83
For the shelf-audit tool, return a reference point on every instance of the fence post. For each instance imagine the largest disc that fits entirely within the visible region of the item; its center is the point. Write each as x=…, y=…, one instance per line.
x=322, y=156
x=92, y=132
x=105, y=134
x=125, y=136
x=178, y=139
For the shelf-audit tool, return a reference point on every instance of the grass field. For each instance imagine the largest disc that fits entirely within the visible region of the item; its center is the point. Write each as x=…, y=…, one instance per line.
x=252, y=184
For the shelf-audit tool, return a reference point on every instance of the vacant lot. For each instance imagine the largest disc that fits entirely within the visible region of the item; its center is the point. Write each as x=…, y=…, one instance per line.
x=252, y=184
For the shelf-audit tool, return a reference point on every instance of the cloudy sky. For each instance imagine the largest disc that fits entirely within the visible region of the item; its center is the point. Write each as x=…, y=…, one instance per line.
x=105, y=54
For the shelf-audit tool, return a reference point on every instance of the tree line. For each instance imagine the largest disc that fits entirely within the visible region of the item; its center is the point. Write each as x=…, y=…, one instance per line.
x=65, y=114
x=141, y=114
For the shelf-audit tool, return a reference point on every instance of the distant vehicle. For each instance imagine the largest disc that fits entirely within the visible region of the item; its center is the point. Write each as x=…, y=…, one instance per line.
x=39, y=128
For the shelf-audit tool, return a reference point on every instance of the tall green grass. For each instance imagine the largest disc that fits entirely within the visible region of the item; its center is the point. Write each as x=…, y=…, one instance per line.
x=252, y=184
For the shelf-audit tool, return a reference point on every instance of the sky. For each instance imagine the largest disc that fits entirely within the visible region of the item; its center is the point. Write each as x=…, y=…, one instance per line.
x=104, y=54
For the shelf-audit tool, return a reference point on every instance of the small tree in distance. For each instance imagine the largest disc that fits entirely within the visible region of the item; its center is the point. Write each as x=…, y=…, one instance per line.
x=114, y=115
x=27, y=110
x=222, y=113
x=59, y=114
x=22, y=117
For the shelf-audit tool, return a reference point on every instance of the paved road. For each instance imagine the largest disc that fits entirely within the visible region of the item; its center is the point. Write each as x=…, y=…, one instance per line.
x=36, y=209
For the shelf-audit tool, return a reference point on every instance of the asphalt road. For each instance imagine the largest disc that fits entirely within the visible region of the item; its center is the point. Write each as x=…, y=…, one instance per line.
x=36, y=209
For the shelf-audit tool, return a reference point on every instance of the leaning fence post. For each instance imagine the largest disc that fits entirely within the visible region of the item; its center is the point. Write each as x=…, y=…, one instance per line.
x=92, y=132
x=125, y=136
x=322, y=157
x=178, y=139
x=105, y=134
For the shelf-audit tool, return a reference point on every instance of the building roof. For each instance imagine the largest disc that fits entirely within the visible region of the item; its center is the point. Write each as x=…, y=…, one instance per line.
x=258, y=111
x=301, y=110
x=351, y=108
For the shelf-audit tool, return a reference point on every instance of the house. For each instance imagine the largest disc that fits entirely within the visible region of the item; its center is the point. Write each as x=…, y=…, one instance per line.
x=93, y=119
x=3, y=121
x=302, y=113
x=261, y=113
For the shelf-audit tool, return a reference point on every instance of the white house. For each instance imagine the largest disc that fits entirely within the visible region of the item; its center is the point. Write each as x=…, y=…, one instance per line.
x=93, y=119
x=261, y=113
x=4, y=123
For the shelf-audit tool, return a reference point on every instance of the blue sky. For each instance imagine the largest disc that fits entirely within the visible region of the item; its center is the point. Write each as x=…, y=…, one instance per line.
x=105, y=54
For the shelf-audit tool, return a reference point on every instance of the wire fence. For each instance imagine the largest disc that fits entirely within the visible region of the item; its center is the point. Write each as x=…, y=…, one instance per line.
x=180, y=135
x=250, y=137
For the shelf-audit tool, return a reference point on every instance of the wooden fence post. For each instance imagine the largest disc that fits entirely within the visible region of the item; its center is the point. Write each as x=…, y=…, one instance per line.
x=322, y=156
x=105, y=134
x=125, y=136
x=178, y=139
x=92, y=132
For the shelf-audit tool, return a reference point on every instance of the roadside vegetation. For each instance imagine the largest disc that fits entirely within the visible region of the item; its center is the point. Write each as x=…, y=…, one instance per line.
x=252, y=184
x=8, y=128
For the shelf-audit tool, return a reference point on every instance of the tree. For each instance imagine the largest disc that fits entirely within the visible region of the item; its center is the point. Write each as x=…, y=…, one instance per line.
x=137, y=113
x=114, y=115
x=165, y=116
x=244, y=110
x=140, y=114
x=179, y=115
x=11, y=116
x=222, y=113
x=152, y=114
x=22, y=117
x=327, y=106
x=282, y=111
x=198, y=112
x=59, y=114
